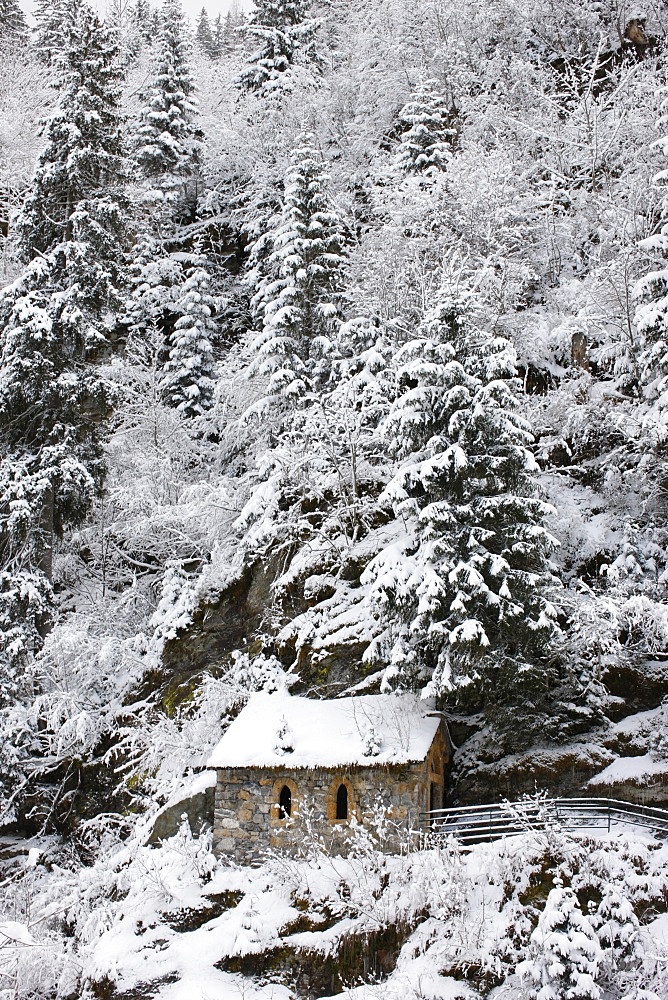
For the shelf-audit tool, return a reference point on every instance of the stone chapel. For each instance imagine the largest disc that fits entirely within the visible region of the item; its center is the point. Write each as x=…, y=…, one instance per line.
x=287, y=762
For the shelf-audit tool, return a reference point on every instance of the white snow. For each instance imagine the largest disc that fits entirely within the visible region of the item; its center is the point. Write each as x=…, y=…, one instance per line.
x=656, y=932
x=640, y=770
x=326, y=733
x=198, y=784
x=423, y=983
x=14, y=932
x=638, y=722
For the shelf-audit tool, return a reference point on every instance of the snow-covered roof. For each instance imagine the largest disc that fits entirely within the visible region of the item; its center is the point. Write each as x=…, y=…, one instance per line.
x=279, y=730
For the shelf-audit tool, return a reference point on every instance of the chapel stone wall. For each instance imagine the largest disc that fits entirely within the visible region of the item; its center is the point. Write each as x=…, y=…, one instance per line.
x=247, y=820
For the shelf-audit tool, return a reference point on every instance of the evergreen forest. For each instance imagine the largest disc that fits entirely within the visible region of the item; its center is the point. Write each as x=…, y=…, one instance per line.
x=333, y=357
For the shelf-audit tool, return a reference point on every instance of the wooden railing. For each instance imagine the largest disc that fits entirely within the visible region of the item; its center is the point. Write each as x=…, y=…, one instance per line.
x=479, y=824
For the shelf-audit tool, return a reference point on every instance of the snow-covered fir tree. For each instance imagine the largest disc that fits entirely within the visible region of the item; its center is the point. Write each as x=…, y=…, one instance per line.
x=297, y=276
x=189, y=378
x=50, y=402
x=51, y=20
x=426, y=132
x=471, y=574
x=83, y=158
x=167, y=136
x=618, y=931
x=26, y=612
x=141, y=20
x=204, y=34
x=564, y=952
x=217, y=37
x=12, y=20
x=56, y=316
x=284, y=34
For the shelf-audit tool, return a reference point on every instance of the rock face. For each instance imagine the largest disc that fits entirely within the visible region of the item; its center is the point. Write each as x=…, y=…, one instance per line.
x=639, y=687
x=311, y=973
x=562, y=771
x=224, y=625
x=250, y=803
x=642, y=779
x=196, y=804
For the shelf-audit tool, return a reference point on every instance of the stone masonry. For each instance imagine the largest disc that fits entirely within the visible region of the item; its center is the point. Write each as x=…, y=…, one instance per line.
x=247, y=819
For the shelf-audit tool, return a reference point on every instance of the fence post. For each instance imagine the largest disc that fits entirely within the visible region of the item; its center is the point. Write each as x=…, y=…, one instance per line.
x=608, y=815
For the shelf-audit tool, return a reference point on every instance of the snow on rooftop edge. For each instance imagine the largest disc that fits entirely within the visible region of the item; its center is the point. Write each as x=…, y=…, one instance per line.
x=281, y=730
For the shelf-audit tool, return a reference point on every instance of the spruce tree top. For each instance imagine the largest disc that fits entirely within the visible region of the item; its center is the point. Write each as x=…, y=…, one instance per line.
x=189, y=378
x=166, y=131
x=278, y=13
x=283, y=31
x=84, y=152
x=426, y=141
x=51, y=20
x=204, y=34
x=300, y=263
x=12, y=19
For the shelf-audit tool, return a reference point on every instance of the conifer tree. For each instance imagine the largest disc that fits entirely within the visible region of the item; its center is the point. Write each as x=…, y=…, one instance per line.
x=469, y=580
x=189, y=374
x=48, y=396
x=51, y=21
x=284, y=34
x=203, y=33
x=142, y=21
x=26, y=611
x=55, y=317
x=12, y=20
x=298, y=278
x=166, y=142
x=83, y=158
x=564, y=953
x=217, y=37
x=618, y=931
x=426, y=137
x=225, y=32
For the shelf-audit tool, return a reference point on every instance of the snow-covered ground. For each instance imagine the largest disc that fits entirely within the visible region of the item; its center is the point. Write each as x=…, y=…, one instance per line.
x=177, y=923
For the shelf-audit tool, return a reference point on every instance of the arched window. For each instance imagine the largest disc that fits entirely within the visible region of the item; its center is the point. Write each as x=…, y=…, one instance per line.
x=285, y=803
x=342, y=802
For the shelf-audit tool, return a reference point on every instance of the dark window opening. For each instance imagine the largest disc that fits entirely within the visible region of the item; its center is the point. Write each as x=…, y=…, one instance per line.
x=285, y=803
x=433, y=796
x=342, y=802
